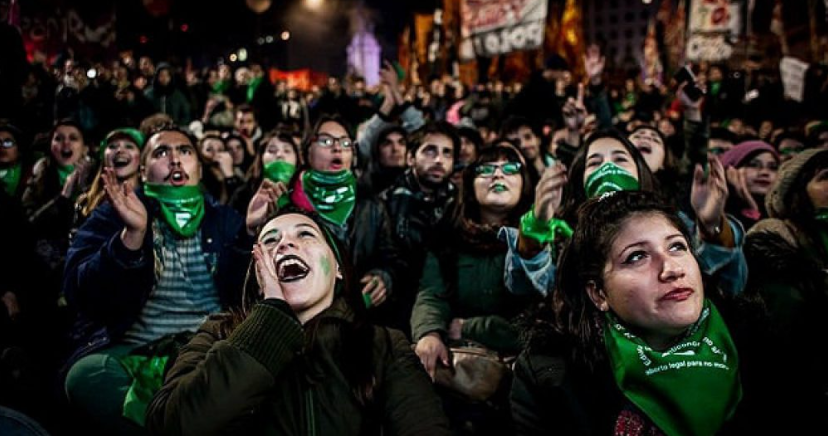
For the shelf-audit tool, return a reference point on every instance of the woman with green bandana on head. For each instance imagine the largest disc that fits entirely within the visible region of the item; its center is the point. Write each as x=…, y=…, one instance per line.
x=277, y=158
x=120, y=150
x=788, y=258
x=634, y=342
x=328, y=187
x=608, y=163
x=143, y=272
x=300, y=356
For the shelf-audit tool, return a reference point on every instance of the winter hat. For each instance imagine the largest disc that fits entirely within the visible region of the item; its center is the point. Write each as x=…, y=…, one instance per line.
x=740, y=153
x=778, y=198
x=133, y=134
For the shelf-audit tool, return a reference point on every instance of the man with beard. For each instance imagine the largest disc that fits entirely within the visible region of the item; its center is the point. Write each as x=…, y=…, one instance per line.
x=529, y=139
x=145, y=267
x=416, y=203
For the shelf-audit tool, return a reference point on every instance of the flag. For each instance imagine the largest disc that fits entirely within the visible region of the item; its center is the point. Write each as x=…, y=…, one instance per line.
x=675, y=38
x=652, y=68
x=566, y=37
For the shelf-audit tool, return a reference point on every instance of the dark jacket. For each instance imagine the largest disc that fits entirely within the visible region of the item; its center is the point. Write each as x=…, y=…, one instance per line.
x=108, y=284
x=414, y=216
x=169, y=99
x=258, y=380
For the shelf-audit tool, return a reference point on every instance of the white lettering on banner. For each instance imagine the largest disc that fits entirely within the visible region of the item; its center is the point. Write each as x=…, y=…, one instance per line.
x=708, y=48
x=520, y=37
x=793, y=72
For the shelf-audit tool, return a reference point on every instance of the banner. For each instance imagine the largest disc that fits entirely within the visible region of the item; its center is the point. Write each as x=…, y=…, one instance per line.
x=714, y=27
x=793, y=72
x=493, y=27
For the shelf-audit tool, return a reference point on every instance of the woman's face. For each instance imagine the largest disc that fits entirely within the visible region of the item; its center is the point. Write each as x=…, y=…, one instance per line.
x=123, y=155
x=278, y=150
x=608, y=150
x=651, y=280
x=236, y=149
x=496, y=190
x=332, y=149
x=817, y=189
x=67, y=145
x=649, y=143
x=304, y=262
x=467, y=151
x=210, y=147
x=760, y=172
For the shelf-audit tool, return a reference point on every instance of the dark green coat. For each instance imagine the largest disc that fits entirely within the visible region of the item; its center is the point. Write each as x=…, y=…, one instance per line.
x=257, y=381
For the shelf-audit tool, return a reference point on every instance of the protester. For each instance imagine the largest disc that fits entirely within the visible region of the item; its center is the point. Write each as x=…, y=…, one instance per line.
x=751, y=170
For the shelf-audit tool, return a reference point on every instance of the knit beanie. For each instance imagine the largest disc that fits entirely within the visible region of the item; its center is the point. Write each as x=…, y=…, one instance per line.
x=739, y=154
x=777, y=199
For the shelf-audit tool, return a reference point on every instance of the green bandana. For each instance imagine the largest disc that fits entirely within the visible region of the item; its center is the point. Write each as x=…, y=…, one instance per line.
x=64, y=172
x=609, y=177
x=279, y=171
x=221, y=86
x=692, y=388
x=333, y=194
x=252, y=87
x=147, y=378
x=10, y=178
x=181, y=206
x=543, y=231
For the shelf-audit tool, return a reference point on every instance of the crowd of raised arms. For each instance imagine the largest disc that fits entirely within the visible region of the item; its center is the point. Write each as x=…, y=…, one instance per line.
x=207, y=252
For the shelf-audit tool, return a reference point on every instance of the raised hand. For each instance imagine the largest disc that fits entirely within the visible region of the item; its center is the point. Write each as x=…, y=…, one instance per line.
x=594, y=64
x=225, y=163
x=708, y=196
x=549, y=191
x=75, y=180
x=574, y=111
x=263, y=203
x=374, y=286
x=129, y=207
x=736, y=180
x=266, y=273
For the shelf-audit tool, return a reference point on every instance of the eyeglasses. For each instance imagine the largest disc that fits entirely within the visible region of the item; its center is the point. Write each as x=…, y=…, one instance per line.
x=328, y=141
x=8, y=143
x=488, y=170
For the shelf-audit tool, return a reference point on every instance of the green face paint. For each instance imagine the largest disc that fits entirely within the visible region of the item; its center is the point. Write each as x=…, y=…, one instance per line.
x=499, y=188
x=326, y=266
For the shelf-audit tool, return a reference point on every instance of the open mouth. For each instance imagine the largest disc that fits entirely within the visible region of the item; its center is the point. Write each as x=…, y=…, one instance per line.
x=121, y=162
x=336, y=163
x=645, y=149
x=67, y=154
x=498, y=187
x=291, y=268
x=178, y=178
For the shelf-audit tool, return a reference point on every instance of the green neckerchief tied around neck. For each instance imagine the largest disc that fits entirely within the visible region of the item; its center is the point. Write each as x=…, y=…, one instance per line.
x=333, y=194
x=64, y=171
x=609, y=177
x=691, y=388
x=10, y=178
x=181, y=206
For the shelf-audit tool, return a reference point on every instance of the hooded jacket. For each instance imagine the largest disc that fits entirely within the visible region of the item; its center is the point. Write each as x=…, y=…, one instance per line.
x=168, y=99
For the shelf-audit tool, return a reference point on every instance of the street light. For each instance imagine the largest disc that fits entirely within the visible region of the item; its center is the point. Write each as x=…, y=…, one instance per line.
x=313, y=4
x=285, y=35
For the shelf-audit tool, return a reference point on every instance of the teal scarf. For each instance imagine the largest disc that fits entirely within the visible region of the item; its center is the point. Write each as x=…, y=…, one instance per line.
x=609, y=177
x=332, y=194
x=10, y=178
x=690, y=389
x=181, y=206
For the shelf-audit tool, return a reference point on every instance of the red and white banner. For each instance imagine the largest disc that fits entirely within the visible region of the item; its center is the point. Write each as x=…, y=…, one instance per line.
x=714, y=26
x=493, y=27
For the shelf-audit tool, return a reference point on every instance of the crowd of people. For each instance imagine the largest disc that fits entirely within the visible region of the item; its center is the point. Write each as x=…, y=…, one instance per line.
x=208, y=252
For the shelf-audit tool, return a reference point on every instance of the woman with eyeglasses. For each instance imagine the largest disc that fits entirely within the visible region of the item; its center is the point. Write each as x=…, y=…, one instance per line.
x=751, y=168
x=462, y=298
x=327, y=186
x=609, y=162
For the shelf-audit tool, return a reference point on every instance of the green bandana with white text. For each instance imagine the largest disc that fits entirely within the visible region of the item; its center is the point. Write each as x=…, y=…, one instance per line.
x=691, y=388
x=609, y=177
x=181, y=206
x=10, y=178
x=333, y=194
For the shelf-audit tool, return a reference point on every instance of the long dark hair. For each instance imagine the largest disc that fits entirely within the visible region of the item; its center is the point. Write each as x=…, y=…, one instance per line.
x=584, y=259
x=311, y=136
x=256, y=171
x=357, y=335
x=574, y=194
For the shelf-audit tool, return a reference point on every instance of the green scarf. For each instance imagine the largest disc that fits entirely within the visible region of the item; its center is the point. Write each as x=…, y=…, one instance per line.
x=609, y=177
x=332, y=194
x=64, y=172
x=181, y=206
x=252, y=87
x=221, y=86
x=10, y=178
x=692, y=388
x=822, y=222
